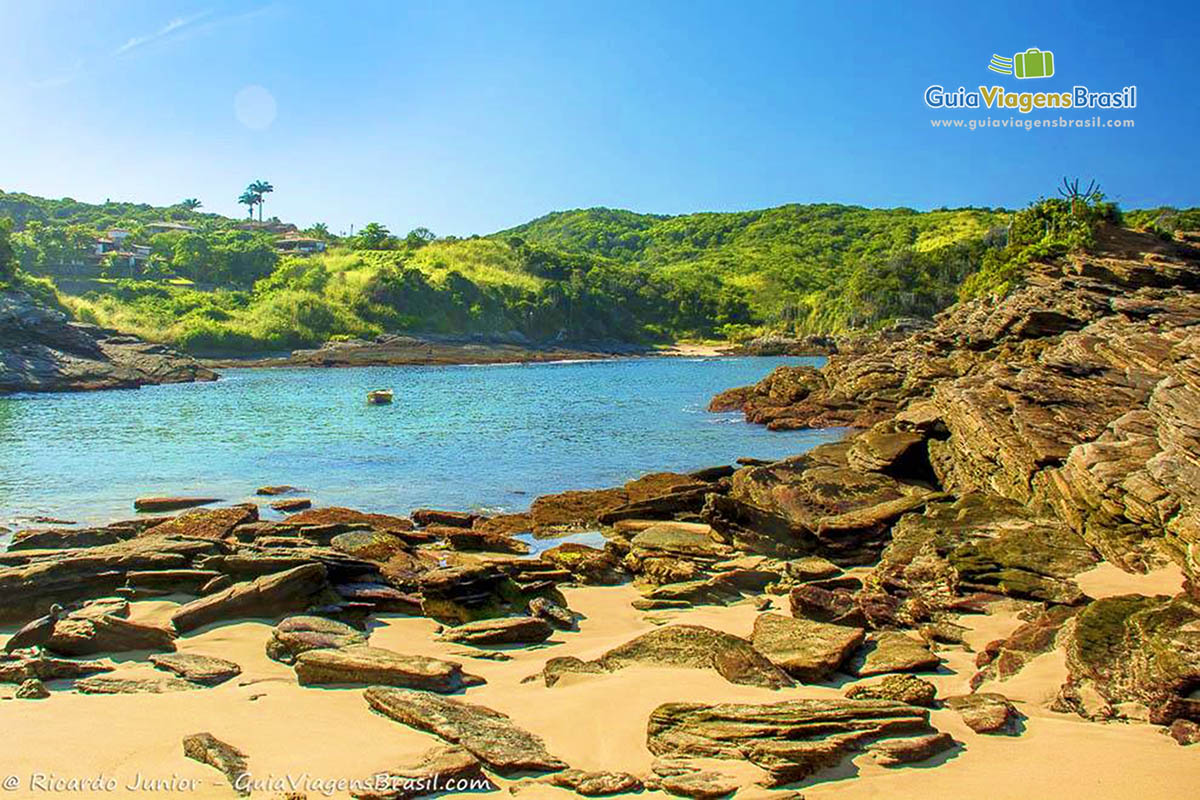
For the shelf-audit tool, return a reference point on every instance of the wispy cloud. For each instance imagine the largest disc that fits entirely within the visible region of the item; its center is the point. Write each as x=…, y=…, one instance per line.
x=174, y=26
x=62, y=78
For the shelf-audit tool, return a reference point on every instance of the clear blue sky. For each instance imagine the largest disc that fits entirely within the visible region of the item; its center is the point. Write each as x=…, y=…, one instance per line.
x=468, y=117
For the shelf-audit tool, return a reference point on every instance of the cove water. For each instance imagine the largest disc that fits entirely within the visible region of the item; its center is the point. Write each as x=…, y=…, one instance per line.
x=485, y=438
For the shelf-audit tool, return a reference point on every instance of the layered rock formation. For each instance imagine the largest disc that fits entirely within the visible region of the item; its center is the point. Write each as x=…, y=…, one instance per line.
x=41, y=350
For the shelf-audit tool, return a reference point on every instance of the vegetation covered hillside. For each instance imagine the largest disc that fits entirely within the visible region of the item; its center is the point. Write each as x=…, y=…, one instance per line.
x=215, y=285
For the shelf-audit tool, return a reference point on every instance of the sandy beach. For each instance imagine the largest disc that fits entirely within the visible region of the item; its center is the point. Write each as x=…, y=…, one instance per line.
x=319, y=736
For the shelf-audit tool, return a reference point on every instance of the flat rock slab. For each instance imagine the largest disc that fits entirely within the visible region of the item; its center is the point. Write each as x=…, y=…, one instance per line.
x=19, y=667
x=490, y=736
x=506, y=630
x=596, y=784
x=688, y=646
x=205, y=670
x=292, y=505
x=893, y=752
x=111, y=684
x=790, y=740
x=171, y=503
x=375, y=666
x=986, y=712
x=895, y=652
x=225, y=758
x=278, y=593
x=901, y=688
x=807, y=650
x=299, y=634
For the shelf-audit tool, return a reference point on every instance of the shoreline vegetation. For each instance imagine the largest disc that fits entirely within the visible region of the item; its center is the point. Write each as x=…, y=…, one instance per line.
x=999, y=563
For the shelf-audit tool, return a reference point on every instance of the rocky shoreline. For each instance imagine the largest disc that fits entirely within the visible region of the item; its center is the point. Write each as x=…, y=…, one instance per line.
x=1000, y=556
x=41, y=350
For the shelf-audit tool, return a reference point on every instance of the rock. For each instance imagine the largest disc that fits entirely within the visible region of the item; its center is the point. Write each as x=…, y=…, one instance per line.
x=269, y=596
x=215, y=524
x=53, y=539
x=596, y=784
x=41, y=350
x=380, y=597
x=811, y=568
x=885, y=447
x=362, y=664
x=893, y=752
x=292, y=505
x=700, y=784
x=574, y=509
x=552, y=612
x=171, y=503
x=33, y=581
x=275, y=491
x=454, y=595
x=986, y=712
x=505, y=524
x=451, y=519
x=32, y=689
x=686, y=500
x=1132, y=649
x=153, y=583
x=895, y=652
x=112, y=684
x=790, y=740
x=836, y=606
x=1004, y=658
x=368, y=545
x=82, y=636
x=205, y=670
x=225, y=758
x=808, y=651
x=587, y=565
x=506, y=630
x=299, y=634
x=1184, y=731
x=900, y=688
x=437, y=767
x=476, y=540
x=20, y=667
x=335, y=515
x=687, y=646
x=488, y=735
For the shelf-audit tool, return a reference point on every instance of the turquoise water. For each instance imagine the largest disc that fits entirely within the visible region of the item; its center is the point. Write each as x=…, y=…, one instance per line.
x=488, y=438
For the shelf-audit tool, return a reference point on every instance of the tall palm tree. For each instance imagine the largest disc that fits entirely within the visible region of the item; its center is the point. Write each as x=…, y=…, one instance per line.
x=250, y=200
x=191, y=204
x=260, y=188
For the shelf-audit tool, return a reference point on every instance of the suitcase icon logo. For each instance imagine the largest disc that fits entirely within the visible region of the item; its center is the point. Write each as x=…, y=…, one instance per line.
x=1033, y=63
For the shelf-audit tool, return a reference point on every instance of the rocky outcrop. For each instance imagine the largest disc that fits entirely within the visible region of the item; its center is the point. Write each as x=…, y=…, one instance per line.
x=205, y=670
x=488, y=735
x=41, y=350
x=225, y=758
x=505, y=630
x=790, y=740
x=808, y=651
x=269, y=596
x=82, y=636
x=900, y=688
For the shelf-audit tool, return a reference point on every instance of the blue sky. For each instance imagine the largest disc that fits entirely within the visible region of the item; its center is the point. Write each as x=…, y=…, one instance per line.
x=469, y=117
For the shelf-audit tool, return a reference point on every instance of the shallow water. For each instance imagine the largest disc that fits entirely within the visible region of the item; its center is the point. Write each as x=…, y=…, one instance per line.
x=489, y=438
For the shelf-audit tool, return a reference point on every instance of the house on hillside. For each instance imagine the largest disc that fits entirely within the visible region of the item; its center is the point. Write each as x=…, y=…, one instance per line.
x=299, y=245
x=169, y=227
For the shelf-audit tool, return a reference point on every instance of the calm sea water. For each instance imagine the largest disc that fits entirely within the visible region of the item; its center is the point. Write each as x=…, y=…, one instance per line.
x=487, y=438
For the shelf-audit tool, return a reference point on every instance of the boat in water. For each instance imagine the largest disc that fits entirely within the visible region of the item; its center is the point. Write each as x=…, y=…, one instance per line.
x=379, y=397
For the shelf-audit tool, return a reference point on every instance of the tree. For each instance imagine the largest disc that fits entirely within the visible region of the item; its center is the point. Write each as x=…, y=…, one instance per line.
x=191, y=204
x=318, y=230
x=249, y=199
x=260, y=189
x=374, y=236
x=419, y=237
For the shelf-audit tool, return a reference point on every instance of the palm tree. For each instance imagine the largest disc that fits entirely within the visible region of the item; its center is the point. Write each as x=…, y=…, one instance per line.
x=250, y=200
x=260, y=188
x=191, y=204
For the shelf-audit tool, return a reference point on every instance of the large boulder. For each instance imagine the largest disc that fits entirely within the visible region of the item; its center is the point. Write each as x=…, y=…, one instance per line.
x=82, y=636
x=269, y=596
x=490, y=736
x=374, y=666
x=808, y=651
x=986, y=712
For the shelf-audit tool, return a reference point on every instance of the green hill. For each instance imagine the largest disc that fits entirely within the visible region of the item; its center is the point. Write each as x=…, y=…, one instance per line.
x=583, y=274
